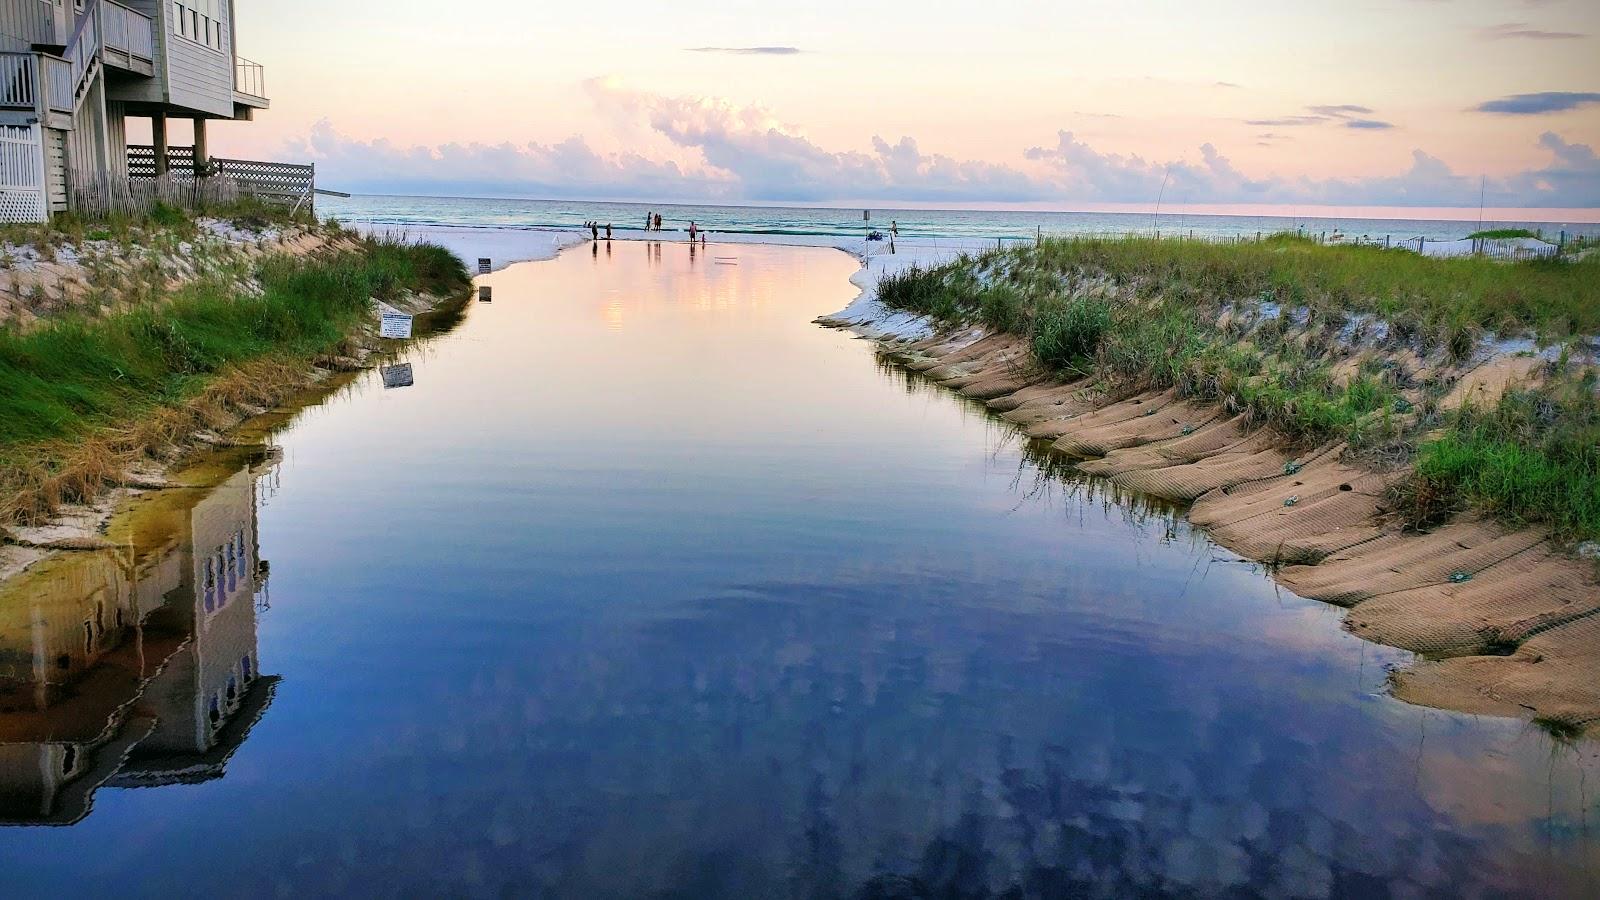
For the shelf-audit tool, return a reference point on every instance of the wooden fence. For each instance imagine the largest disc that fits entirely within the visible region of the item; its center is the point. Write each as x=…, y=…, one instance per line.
x=186, y=186
x=101, y=195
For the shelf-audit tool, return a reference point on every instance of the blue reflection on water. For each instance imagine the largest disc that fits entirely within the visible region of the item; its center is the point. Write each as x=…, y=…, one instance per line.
x=646, y=587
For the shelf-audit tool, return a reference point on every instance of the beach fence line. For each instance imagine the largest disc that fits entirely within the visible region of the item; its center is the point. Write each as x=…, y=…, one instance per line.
x=1514, y=249
x=191, y=186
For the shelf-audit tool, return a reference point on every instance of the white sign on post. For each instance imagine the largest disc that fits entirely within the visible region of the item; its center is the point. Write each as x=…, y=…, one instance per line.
x=392, y=323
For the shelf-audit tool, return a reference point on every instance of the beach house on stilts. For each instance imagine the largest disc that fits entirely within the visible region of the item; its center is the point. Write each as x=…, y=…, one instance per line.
x=73, y=71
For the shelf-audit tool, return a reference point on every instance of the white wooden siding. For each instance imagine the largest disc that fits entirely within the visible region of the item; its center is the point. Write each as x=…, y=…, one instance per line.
x=55, y=169
x=198, y=76
x=86, y=148
x=117, y=136
x=188, y=73
x=24, y=23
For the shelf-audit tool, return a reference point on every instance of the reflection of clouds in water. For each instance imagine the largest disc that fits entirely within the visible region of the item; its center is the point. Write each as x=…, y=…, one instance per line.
x=832, y=741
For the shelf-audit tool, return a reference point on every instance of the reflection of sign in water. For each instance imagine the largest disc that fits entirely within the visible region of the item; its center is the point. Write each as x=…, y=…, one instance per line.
x=397, y=376
x=392, y=323
x=484, y=265
x=485, y=293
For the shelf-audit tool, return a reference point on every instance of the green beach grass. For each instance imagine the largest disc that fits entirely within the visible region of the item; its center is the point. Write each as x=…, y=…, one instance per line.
x=75, y=378
x=1150, y=313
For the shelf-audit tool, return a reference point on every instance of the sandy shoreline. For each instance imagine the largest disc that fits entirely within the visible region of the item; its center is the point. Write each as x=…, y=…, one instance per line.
x=1504, y=621
x=82, y=527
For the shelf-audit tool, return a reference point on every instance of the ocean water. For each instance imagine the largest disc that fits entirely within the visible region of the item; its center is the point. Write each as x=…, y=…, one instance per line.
x=638, y=584
x=776, y=222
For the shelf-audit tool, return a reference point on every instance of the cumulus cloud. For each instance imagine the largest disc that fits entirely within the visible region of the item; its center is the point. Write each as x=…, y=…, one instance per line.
x=732, y=153
x=1537, y=104
x=567, y=168
x=1523, y=31
x=748, y=51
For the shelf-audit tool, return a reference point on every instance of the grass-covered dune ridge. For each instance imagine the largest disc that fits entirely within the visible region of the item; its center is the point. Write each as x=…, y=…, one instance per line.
x=1554, y=298
x=1416, y=440
x=87, y=393
x=1353, y=344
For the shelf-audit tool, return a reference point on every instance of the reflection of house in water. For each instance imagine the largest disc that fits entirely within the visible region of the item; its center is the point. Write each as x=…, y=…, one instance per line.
x=133, y=675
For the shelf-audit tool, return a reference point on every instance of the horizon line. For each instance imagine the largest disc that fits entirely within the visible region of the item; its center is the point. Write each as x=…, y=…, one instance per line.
x=1520, y=214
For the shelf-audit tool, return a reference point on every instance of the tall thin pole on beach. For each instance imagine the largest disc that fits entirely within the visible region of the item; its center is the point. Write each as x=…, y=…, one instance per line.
x=1155, y=221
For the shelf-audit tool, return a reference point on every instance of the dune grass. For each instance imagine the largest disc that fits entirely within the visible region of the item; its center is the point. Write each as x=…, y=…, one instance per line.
x=1553, y=297
x=1155, y=314
x=1534, y=457
x=1496, y=234
x=1167, y=339
x=67, y=381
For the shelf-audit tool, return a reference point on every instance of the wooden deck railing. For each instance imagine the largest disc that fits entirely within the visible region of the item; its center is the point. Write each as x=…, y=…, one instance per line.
x=249, y=77
x=83, y=50
x=128, y=31
x=18, y=86
x=35, y=81
x=60, y=89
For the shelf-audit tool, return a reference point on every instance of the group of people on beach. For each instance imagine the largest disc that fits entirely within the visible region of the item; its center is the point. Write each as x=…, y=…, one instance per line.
x=652, y=222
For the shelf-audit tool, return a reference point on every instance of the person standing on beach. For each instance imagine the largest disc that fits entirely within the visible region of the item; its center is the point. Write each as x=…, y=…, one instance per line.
x=648, y=217
x=608, y=231
x=894, y=228
x=594, y=231
x=692, y=232
x=658, y=221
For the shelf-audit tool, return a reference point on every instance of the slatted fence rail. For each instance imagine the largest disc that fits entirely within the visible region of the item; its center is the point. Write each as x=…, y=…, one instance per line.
x=218, y=181
x=17, y=89
x=102, y=195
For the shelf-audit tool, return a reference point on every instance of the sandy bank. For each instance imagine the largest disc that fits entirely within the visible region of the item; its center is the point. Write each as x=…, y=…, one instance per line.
x=38, y=280
x=1503, y=621
x=140, y=456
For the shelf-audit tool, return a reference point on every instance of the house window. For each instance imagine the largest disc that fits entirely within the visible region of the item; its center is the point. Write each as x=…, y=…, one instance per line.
x=200, y=21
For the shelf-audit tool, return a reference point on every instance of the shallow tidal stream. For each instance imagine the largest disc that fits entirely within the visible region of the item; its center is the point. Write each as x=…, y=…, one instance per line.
x=647, y=586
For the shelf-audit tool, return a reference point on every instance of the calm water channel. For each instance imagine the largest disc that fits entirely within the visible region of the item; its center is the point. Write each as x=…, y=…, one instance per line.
x=646, y=586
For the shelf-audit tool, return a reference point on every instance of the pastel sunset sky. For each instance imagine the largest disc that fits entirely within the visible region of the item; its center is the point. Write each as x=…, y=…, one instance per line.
x=1362, y=103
